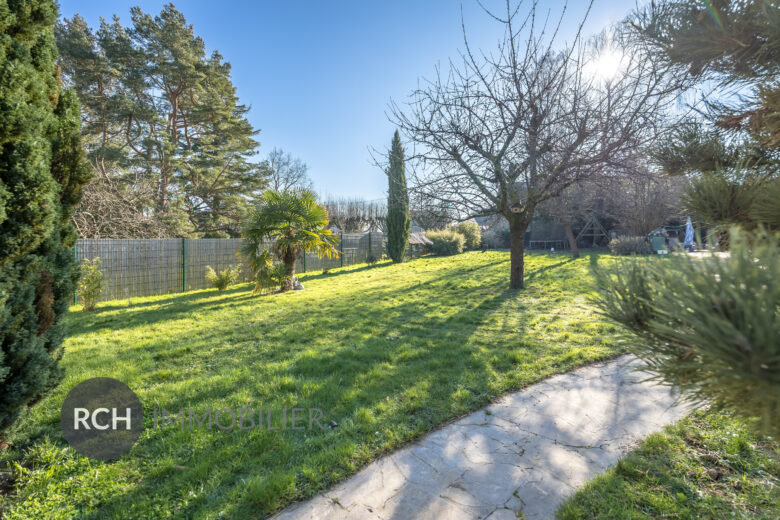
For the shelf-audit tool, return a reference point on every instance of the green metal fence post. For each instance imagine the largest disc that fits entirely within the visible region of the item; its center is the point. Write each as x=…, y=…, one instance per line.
x=341, y=249
x=369, y=244
x=76, y=258
x=183, y=264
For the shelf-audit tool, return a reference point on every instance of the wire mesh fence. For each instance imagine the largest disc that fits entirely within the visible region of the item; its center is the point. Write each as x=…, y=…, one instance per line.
x=148, y=267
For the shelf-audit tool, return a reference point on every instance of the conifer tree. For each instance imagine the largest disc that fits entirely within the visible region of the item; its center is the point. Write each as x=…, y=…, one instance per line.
x=732, y=154
x=42, y=169
x=398, y=220
x=711, y=326
x=164, y=129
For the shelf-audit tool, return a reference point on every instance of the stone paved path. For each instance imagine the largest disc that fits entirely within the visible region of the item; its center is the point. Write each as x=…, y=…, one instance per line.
x=528, y=451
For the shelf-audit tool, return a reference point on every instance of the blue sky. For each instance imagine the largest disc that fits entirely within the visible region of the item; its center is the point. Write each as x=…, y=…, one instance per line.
x=319, y=75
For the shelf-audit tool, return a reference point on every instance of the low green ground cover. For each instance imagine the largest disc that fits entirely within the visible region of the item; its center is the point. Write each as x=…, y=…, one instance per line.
x=708, y=465
x=388, y=352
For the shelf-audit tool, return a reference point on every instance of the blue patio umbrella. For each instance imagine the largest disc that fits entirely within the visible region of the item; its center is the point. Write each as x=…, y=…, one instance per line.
x=688, y=233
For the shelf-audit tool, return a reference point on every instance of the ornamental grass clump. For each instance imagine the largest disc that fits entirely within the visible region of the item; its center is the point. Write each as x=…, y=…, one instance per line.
x=225, y=278
x=268, y=276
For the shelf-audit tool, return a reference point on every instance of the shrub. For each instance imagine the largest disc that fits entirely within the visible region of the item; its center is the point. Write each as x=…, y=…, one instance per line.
x=42, y=170
x=707, y=325
x=470, y=230
x=446, y=242
x=90, y=284
x=371, y=259
x=224, y=278
x=274, y=277
x=267, y=275
x=630, y=246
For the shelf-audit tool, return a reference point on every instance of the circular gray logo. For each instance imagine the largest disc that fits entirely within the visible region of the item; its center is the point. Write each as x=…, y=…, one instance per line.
x=102, y=418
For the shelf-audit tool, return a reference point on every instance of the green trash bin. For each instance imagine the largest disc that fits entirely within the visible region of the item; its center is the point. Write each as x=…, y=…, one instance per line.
x=659, y=245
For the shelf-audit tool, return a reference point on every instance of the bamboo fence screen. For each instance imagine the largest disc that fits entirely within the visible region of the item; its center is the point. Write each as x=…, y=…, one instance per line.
x=148, y=267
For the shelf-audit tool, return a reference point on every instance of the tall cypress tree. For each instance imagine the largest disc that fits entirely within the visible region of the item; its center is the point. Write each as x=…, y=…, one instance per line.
x=42, y=169
x=398, y=221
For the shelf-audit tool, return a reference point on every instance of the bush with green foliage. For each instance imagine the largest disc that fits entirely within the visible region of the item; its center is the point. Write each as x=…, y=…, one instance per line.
x=471, y=232
x=446, y=242
x=225, y=278
x=630, y=246
x=710, y=326
x=267, y=275
x=371, y=260
x=90, y=284
x=42, y=170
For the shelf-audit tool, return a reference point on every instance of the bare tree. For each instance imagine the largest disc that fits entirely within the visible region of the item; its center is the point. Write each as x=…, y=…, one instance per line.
x=356, y=215
x=573, y=202
x=429, y=212
x=642, y=202
x=286, y=172
x=499, y=133
x=111, y=209
x=630, y=195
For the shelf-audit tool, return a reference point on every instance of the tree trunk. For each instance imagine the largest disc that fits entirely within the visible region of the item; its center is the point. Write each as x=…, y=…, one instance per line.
x=517, y=227
x=289, y=261
x=162, y=195
x=575, y=251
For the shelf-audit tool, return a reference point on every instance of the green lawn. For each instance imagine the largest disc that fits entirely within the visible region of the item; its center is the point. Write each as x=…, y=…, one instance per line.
x=388, y=352
x=708, y=465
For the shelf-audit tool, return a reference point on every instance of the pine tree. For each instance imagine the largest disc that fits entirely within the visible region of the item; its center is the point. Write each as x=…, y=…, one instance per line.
x=732, y=154
x=398, y=220
x=730, y=43
x=164, y=128
x=42, y=169
x=711, y=326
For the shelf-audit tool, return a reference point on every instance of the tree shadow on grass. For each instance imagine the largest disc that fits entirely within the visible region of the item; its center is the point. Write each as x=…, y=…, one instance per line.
x=179, y=305
x=397, y=357
x=391, y=391
x=530, y=277
x=163, y=300
x=337, y=271
x=335, y=374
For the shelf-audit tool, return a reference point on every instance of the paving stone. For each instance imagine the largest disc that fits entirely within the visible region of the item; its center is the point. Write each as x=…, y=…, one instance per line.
x=528, y=451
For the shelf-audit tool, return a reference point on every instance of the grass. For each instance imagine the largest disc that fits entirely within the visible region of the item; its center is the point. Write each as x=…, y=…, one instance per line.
x=708, y=465
x=388, y=352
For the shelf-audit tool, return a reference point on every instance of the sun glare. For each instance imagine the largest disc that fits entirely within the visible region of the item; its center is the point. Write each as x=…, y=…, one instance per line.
x=606, y=65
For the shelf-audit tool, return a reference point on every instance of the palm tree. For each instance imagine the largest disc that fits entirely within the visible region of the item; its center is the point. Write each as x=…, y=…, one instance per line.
x=294, y=222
